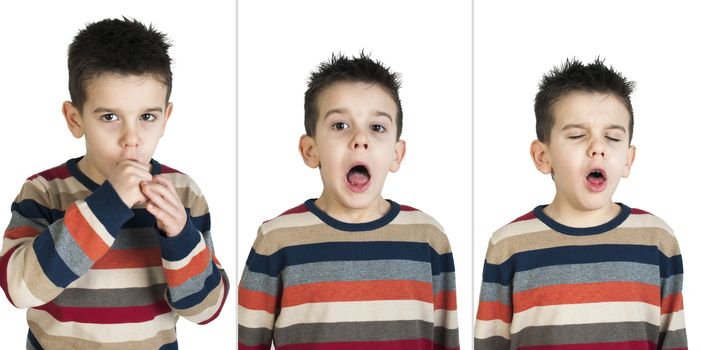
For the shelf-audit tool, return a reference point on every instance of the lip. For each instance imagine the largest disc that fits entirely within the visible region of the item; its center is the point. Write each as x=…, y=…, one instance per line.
x=358, y=188
x=596, y=186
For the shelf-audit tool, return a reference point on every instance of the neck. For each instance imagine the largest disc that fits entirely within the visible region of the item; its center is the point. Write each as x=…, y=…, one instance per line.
x=341, y=212
x=86, y=167
x=581, y=217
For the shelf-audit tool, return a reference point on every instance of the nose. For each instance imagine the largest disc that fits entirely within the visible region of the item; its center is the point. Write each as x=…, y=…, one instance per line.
x=360, y=140
x=130, y=136
x=596, y=148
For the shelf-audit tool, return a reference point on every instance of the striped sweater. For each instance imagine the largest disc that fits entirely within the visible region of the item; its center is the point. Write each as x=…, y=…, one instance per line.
x=95, y=274
x=609, y=287
x=312, y=282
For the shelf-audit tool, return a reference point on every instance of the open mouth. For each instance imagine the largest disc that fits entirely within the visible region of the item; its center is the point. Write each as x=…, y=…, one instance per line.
x=358, y=178
x=596, y=180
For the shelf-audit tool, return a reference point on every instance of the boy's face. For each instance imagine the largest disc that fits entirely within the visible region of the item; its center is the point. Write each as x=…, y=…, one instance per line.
x=588, y=151
x=123, y=117
x=355, y=146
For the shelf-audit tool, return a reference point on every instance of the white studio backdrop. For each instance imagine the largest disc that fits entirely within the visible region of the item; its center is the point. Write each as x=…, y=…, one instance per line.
x=199, y=139
x=281, y=42
x=516, y=42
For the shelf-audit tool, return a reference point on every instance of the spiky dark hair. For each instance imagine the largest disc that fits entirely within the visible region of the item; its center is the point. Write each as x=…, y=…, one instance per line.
x=574, y=76
x=343, y=69
x=118, y=46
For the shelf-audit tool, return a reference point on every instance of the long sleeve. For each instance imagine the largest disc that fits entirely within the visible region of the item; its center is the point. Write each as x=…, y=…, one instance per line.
x=672, y=327
x=47, y=246
x=445, y=328
x=259, y=298
x=495, y=311
x=197, y=284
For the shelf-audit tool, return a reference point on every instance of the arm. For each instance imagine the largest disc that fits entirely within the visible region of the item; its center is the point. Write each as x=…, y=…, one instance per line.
x=197, y=284
x=45, y=249
x=445, y=328
x=672, y=327
x=258, y=301
x=494, y=312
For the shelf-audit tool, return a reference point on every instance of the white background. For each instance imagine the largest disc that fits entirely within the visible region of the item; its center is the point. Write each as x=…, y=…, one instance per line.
x=199, y=139
x=652, y=43
x=281, y=42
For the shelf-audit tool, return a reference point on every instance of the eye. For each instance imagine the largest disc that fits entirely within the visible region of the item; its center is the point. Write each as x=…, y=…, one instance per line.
x=109, y=117
x=614, y=139
x=377, y=128
x=574, y=137
x=148, y=117
x=339, y=126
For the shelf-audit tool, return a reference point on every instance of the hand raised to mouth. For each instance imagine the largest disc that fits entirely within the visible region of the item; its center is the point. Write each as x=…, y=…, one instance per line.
x=126, y=178
x=165, y=205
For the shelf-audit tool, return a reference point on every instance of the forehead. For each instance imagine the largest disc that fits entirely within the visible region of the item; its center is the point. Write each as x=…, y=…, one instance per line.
x=590, y=109
x=113, y=90
x=356, y=97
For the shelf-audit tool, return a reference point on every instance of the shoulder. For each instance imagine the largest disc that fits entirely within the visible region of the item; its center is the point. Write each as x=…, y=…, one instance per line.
x=51, y=181
x=409, y=215
x=524, y=224
x=652, y=230
x=421, y=225
x=295, y=217
x=639, y=218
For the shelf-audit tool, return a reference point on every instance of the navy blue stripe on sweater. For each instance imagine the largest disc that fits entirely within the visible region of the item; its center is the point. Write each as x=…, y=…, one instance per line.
x=349, y=251
x=503, y=273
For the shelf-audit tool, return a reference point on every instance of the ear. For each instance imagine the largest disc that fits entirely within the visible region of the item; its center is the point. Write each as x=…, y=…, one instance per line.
x=169, y=110
x=399, y=151
x=307, y=148
x=630, y=157
x=541, y=157
x=73, y=119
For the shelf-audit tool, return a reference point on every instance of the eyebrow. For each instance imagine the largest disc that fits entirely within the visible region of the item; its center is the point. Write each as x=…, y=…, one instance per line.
x=345, y=110
x=111, y=110
x=581, y=126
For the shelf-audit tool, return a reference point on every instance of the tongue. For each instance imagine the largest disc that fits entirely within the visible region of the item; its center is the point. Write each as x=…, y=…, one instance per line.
x=357, y=178
x=597, y=180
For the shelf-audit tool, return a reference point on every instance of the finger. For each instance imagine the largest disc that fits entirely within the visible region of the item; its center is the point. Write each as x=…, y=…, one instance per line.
x=158, y=194
x=163, y=219
x=163, y=199
x=133, y=163
x=165, y=182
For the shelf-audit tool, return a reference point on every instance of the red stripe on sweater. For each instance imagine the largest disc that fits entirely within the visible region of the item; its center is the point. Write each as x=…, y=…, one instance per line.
x=169, y=170
x=21, y=232
x=3, y=272
x=445, y=300
x=628, y=345
x=528, y=216
x=129, y=258
x=83, y=234
x=638, y=211
x=256, y=300
x=494, y=310
x=255, y=347
x=221, y=306
x=198, y=264
x=106, y=315
x=582, y=293
x=320, y=292
x=672, y=303
x=407, y=208
x=59, y=172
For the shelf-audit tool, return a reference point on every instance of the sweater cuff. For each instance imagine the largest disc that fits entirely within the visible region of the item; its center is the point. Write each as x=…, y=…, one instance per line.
x=178, y=247
x=108, y=208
